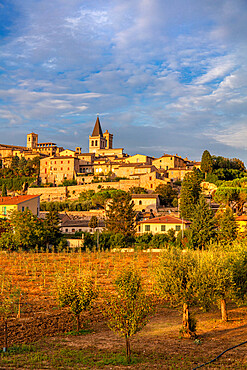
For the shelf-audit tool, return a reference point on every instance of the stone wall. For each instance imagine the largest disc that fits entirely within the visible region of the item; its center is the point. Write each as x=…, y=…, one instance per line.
x=149, y=181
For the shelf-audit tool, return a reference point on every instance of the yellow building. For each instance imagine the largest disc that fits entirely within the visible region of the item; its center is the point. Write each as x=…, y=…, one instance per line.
x=19, y=203
x=160, y=225
x=56, y=169
x=146, y=202
x=169, y=161
x=139, y=158
x=242, y=223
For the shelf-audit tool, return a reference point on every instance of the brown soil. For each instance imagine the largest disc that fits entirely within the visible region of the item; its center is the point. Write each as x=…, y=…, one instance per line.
x=157, y=341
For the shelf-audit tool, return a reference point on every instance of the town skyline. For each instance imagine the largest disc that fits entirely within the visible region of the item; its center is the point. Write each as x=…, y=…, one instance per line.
x=163, y=77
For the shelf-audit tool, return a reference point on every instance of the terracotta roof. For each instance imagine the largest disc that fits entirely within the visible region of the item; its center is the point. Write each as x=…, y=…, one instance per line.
x=97, y=131
x=241, y=218
x=154, y=196
x=80, y=222
x=16, y=200
x=166, y=220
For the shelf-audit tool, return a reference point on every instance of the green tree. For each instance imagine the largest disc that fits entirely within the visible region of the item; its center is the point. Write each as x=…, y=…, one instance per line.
x=190, y=192
x=4, y=190
x=78, y=295
x=137, y=190
x=177, y=283
x=206, y=163
x=120, y=215
x=26, y=231
x=168, y=195
x=52, y=228
x=94, y=222
x=227, y=226
x=203, y=224
x=128, y=309
x=239, y=276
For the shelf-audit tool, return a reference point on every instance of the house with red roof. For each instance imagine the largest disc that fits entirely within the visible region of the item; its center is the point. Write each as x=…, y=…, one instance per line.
x=19, y=203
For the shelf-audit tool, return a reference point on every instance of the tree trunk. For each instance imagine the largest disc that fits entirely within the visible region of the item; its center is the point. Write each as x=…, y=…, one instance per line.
x=127, y=339
x=187, y=329
x=5, y=336
x=78, y=322
x=19, y=308
x=224, y=316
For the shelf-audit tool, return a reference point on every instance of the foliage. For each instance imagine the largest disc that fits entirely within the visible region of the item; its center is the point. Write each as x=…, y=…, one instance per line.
x=137, y=190
x=101, y=198
x=78, y=295
x=25, y=231
x=203, y=224
x=232, y=193
x=227, y=226
x=120, y=215
x=67, y=205
x=86, y=195
x=234, y=163
x=67, y=182
x=127, y=311
x=190, y=192
x=168, y=194
x=181, y=283
x=52, y=228
x=94, y=222
x=206, y=162
x=239, y=277
x=4, y=190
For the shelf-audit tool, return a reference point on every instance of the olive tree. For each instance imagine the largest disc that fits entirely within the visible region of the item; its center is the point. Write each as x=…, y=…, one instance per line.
x=128, y=309
x=77, y=294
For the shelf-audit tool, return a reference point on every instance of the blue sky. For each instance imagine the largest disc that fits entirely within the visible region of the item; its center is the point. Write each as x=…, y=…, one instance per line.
x=163, y=75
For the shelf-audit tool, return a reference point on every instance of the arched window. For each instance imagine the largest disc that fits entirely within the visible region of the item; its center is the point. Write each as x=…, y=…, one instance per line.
x=96, y=142
x=140, y=202
x=92, y=143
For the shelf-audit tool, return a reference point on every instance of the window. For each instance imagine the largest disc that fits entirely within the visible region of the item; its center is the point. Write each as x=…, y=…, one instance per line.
x=96, y=142
x=163, y=227
x=22, y=209
x=147, y=227
x=151, y=186
x=68, y=168
x=61, y=168
x=150, y=178
x=178, y=228
x=140, y=202
x=73, y=230
x=66, y=230
x=61, y=162
x=92, y=143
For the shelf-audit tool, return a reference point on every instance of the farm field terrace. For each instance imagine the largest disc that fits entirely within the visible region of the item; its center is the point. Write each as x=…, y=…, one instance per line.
x=44, y=336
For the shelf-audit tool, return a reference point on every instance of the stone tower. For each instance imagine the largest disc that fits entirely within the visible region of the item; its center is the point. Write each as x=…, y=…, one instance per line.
x=98, y=140
x=32, y=140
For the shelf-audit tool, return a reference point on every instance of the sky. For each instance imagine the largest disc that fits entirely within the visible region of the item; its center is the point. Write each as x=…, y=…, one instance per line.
x=164, y=76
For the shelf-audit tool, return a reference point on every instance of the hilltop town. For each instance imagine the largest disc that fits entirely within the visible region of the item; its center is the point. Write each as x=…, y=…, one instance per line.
x=102, y=162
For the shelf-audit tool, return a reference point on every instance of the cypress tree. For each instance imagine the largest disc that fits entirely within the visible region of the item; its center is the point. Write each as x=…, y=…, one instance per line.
x=203, y=224
x=206, y=162
x=4, y=190
x=190, y=192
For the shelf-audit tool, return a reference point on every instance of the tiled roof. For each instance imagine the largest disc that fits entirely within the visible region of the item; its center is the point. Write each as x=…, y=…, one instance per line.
x=97, y=131
x=16, y=200
x=152, y=196
x=241, y=218
x=79, y=222
x=166, y=220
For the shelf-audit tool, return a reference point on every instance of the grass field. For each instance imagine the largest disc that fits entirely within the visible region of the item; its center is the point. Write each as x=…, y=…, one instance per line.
x=44, y=337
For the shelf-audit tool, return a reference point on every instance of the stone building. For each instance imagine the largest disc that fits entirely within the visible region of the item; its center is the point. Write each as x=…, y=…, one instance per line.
x=169, y=161
x=102, y=144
